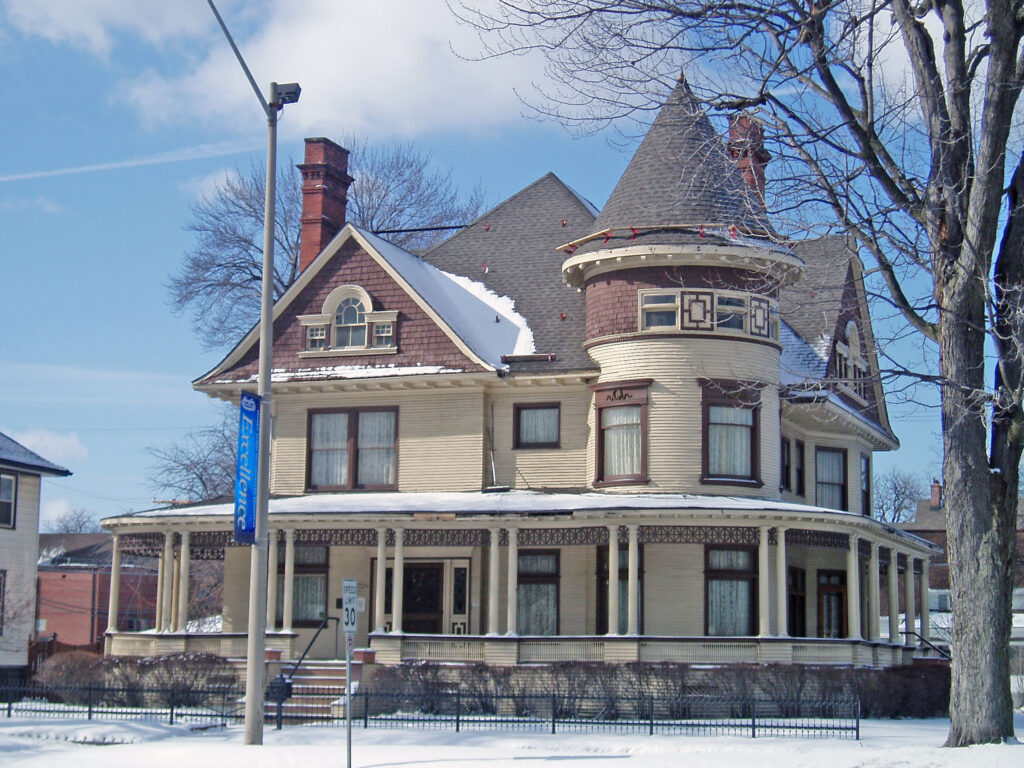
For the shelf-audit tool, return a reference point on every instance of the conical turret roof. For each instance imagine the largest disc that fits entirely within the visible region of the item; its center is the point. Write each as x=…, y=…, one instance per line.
x=681, y=177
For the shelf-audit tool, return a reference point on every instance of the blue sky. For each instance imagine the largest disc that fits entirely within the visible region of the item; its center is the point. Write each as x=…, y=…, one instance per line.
x=119, y=113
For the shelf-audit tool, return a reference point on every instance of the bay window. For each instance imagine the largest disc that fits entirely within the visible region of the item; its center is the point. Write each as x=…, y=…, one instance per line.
x=352, y=448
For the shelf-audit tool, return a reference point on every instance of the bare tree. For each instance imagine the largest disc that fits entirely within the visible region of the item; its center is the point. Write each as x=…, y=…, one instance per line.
x=202, y=465
x=219, y=280
x=895, y=496
x=76, y=520
x=889, y=120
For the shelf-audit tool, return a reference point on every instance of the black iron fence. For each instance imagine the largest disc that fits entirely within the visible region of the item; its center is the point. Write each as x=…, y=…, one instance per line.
x=449, y=707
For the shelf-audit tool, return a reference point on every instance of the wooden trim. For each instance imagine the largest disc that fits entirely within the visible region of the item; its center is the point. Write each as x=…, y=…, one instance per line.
x=866, y=490
x=14, y=501
x=518, y=408
x=846, y=472
x=352, y=447
x=841, y=590
x=542, y=578
x=730, y=394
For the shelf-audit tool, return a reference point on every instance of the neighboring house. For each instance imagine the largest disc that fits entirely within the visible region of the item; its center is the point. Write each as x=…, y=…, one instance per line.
x=21, y=472
x=644, y=432
x=73, y=589
x=930, y=523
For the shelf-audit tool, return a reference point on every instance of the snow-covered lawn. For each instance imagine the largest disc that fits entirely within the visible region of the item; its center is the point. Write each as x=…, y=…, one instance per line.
x=884, y=744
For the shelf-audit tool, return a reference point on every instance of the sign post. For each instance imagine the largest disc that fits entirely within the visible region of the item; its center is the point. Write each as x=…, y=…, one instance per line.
x=349, y=622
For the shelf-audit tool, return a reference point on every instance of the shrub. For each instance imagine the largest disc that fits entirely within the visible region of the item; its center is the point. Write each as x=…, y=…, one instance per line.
x=189, y=679
x=71, y=677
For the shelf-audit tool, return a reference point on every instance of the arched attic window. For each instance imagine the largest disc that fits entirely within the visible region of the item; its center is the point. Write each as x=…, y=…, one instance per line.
x=348, y=325
x=852, y=371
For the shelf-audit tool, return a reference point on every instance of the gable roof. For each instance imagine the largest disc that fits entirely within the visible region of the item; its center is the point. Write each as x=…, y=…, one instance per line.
x=14, y=454
x=681, y=177
x=483, y=325
x=511, y=249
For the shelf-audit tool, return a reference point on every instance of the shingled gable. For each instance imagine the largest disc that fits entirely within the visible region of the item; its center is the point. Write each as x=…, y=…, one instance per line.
x=447, y=323
x=511, y=249
x=15, y=455
x=681, y=184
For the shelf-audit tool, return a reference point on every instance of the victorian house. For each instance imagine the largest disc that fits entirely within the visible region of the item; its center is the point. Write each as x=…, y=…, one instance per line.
x=639, y=433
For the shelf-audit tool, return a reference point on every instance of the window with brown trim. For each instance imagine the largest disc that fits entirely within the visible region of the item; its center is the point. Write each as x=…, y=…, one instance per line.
x=8, y=496
x=785, y=465
x=831, y=604
x=352, y=448
x=799, y=460
x=730, y=452
x=537, y=592
x=830, y=478
x=865, y=484
x=621, y=432
x=730, y=591
x=536, y=425
x=309, y=595
x=796, y=602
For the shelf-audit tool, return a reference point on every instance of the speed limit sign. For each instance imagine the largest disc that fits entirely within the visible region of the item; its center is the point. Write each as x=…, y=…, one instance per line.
x=349, y=606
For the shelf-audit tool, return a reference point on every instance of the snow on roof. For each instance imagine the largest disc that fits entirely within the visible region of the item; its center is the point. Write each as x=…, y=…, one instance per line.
x=281, y=375
x=500, y=503
x=800, y=361
x=488, y=323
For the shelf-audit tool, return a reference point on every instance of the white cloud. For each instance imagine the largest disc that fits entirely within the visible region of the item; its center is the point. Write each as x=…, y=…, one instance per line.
x=204, y=186
x=40, y=203
x=51, y=512
x=93, y=24
x=53, y=446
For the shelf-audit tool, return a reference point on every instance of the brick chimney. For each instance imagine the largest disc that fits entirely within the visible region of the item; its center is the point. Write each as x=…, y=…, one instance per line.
x=325, y=183
x=746, y=146
x=936, y=499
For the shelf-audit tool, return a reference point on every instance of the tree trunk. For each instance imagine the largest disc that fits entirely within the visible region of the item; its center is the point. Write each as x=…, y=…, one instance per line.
x=981, y=709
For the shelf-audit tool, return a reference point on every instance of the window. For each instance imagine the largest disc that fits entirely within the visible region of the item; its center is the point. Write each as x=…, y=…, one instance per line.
x=621, y=432
x=785, y=466
x=309, y=598
x=851, y=369
x=352, y=448
x=730, y=591
x=831, y=604
x=659, y=311
x=865, y=484
x=731, y=312
x=798, y=467
x=348, y=325
x=830, y=477
x=796, y=602
x=536, y=425
x=537, y=595
x=731, y=437
x=602, y=589
x=8, y=491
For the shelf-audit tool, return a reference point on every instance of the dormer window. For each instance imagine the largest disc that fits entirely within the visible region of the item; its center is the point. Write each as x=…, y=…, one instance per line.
x=349, y=325
x=851, y=369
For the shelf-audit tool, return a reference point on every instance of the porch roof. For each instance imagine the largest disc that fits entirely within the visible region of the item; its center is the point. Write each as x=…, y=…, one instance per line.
x=514, y=503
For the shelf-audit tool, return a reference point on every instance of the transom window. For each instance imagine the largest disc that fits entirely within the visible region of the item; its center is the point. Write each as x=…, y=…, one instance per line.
x=830, y=477
x=731, y=590
x=621, y=432
x=352, y=449
x=708, y=311
x=731, y=436
x=536, y=425
x=8, y=489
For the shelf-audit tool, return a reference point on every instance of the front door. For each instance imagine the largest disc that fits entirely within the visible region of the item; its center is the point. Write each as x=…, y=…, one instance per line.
x=422, y=603
x=831, y=604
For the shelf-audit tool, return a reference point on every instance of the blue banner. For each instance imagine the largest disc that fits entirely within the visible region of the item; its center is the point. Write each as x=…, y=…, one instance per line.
x=248, y=468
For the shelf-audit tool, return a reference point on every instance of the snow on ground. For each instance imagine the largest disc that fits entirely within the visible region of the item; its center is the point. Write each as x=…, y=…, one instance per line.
x=884, y=744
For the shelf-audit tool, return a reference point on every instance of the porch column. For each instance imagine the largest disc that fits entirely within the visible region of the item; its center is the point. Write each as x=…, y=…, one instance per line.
x=853, y=589
x=288, y=598
x=271, y=580
x=873, y=591
x=398, y=580
x=926, y=618
x=892, y=582
x=115, y=585
x=613, y=579
x=382, y=574
x=633, y=603
x=763, y=588
x=781, y=605
x=158, y=619
x=184, y=557
x=910, y=620
x=512, y=614
x=175, y=592
x=168, y=582
x=492, y=583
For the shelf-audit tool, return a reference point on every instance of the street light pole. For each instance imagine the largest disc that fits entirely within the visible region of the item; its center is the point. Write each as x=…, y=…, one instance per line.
x=277, y=97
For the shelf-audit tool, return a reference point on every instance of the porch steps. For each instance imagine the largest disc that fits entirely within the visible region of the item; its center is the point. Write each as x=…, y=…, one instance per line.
x=318, y=691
